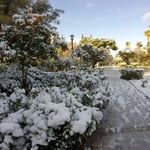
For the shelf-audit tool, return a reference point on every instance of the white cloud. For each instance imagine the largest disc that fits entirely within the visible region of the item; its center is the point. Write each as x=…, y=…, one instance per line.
x=90, y=4
x=146, y=16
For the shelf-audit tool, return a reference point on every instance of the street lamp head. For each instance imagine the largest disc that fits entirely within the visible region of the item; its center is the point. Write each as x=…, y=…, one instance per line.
x=72, y=37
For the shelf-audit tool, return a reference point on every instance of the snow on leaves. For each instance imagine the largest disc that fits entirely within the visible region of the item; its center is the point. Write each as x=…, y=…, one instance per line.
x=64, y=103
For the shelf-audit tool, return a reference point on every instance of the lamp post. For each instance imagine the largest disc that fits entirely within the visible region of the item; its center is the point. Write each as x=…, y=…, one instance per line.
x=72, y=38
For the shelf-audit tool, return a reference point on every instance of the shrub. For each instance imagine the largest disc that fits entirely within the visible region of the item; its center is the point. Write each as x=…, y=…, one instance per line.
x=60, y=111
x=131, y=74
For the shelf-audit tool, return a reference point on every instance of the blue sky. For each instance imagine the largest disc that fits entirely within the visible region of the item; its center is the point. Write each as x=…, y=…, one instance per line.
x=121, y=20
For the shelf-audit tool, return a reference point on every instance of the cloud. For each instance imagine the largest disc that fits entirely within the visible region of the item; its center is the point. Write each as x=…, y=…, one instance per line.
x=90, y=4
x=146, y=16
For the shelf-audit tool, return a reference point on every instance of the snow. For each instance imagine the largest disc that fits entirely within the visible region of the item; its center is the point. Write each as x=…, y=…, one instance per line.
x=14, y=128
x=50, y=108
x=143, y=85
x=58, y=116
x=81, y=121
x=3, y=45
x=4, y=106
x=70, y=105
x=129, y=99
x=5, y=49
x=126, y=121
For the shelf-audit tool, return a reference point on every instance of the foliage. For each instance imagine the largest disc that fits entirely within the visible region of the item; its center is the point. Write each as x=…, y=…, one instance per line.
x=44, y=6
x=147, y=33
x=126, y=56
x=106, y=43
x=31, y=38
x=60, y=64
x=6, y=53
x=64, y=103
x=145, y=59
x=41, y=6
x=90, y=55
x=61, y=45
x=127, y=53
x=9, y=8
x=139, y=52
x=139, y=44
x=132, y=74
x=142, y=54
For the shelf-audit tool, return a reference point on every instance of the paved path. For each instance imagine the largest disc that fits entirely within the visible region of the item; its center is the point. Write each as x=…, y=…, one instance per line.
x=126, y=122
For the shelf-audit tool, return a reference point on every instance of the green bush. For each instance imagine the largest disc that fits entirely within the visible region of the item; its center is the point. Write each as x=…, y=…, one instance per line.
x=131, y=74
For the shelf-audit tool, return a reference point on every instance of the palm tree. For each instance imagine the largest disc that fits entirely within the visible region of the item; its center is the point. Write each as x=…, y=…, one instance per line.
x=138, y=51
x=127, y=53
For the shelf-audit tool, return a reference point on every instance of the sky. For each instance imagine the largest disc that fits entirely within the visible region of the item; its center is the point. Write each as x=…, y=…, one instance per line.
x=121, y=20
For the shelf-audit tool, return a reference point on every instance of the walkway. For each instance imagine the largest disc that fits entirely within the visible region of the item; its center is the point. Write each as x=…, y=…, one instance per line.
x=126, y=122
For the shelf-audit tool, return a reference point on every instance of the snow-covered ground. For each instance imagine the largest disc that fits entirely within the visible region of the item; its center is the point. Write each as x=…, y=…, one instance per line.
x=126, y=122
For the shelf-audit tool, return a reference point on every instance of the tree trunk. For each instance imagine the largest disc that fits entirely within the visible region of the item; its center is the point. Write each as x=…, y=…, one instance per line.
x=7, y=7
x=24, y=71
x=0, y=26
x=127, y=61
x=93, y=64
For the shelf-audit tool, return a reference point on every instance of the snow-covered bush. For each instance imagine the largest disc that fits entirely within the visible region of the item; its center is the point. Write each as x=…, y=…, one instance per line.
x=61, y=110
x=10, y=79
x=6, y=53
x=131, y=74
x=32, y=37
x=89, y=55
x=59, y=64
